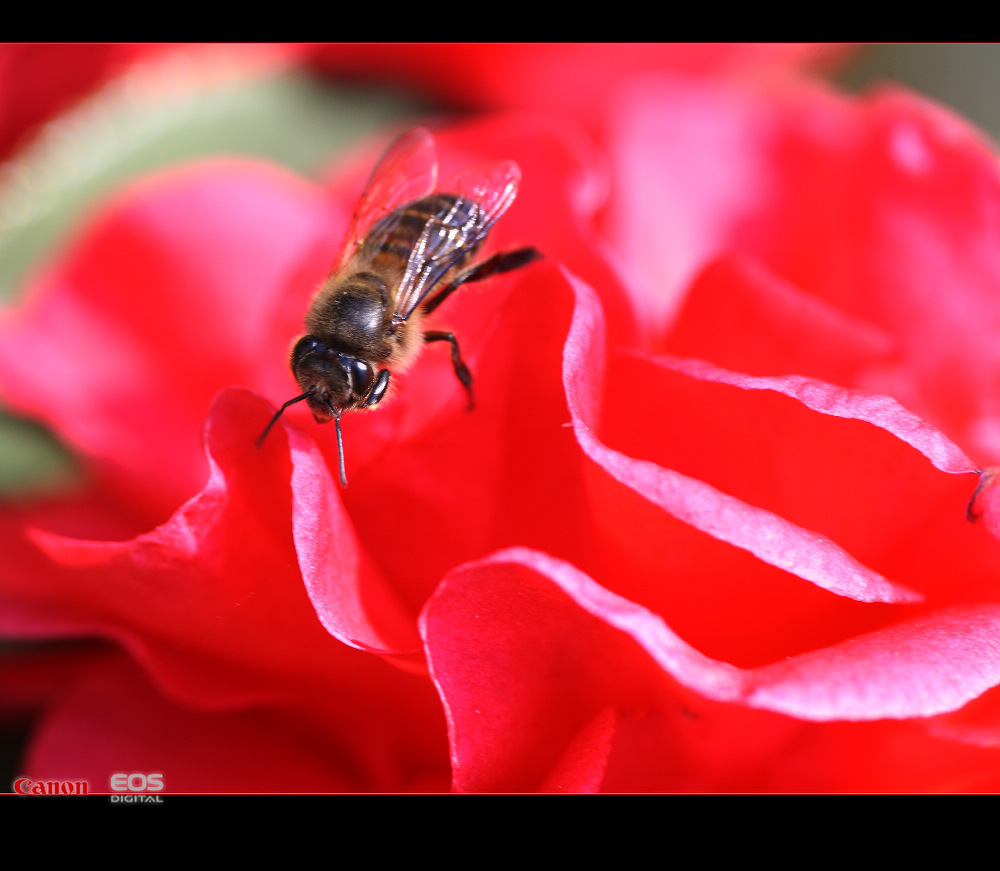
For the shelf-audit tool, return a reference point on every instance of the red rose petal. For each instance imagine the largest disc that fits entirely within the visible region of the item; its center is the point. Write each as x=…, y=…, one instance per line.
x=584, y=762
x=112, y=721
x=511, y=463
x=882, y=411
x=882, y=207
x=766, y=535
x=740, y=316
x=211, y=601
x=348, y=594
x=526, y=651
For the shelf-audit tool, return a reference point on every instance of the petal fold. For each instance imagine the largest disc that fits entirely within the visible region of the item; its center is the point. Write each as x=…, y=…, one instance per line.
x=503, y=632
x=766, y=535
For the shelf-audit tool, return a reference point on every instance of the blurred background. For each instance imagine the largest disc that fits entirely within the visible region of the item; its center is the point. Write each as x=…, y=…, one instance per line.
x=77, y=120
x=961, y=76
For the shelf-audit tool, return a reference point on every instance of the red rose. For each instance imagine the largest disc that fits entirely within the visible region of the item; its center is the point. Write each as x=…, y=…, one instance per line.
x=705, y=529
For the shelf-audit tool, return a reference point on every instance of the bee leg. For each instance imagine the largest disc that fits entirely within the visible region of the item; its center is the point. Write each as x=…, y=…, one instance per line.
x=502, y=261
x=458, y=364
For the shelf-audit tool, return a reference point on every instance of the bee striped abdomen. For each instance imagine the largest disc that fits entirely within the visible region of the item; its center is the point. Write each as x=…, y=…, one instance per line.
x=440, y=218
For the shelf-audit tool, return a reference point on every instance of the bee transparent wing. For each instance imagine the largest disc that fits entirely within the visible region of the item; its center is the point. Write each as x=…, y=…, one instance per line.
x=493, y=187
x=489, y=190
x=405, y=172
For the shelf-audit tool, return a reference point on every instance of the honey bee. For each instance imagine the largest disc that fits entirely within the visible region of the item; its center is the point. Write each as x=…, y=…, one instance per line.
x=409, y=247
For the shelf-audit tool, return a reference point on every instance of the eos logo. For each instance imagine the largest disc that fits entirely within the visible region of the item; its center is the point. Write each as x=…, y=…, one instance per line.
x=137, y=782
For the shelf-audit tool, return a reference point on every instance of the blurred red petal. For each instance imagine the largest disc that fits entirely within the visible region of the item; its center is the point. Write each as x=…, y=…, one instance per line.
x=883, y=208
x=570, y=76
x=121, y=348
x=112, y=721
x=39, y=80
x=32, y=675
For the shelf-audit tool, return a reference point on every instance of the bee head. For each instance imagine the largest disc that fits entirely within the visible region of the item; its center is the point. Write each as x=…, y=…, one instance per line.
x=332, y=379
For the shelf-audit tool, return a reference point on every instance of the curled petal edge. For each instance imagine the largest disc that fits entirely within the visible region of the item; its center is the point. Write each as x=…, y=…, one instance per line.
x=771, y=538
x=876, y=409
x=929, y=666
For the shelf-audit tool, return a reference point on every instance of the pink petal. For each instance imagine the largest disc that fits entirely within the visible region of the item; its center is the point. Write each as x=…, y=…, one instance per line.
x=927, y=666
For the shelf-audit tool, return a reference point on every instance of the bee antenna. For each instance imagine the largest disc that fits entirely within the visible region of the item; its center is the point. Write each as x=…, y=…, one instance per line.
x=340, y=448
x=274, y=419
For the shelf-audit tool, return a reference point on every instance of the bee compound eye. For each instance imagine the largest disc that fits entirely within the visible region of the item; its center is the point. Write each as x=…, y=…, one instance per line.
x=361, y=374
x=303, y=347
